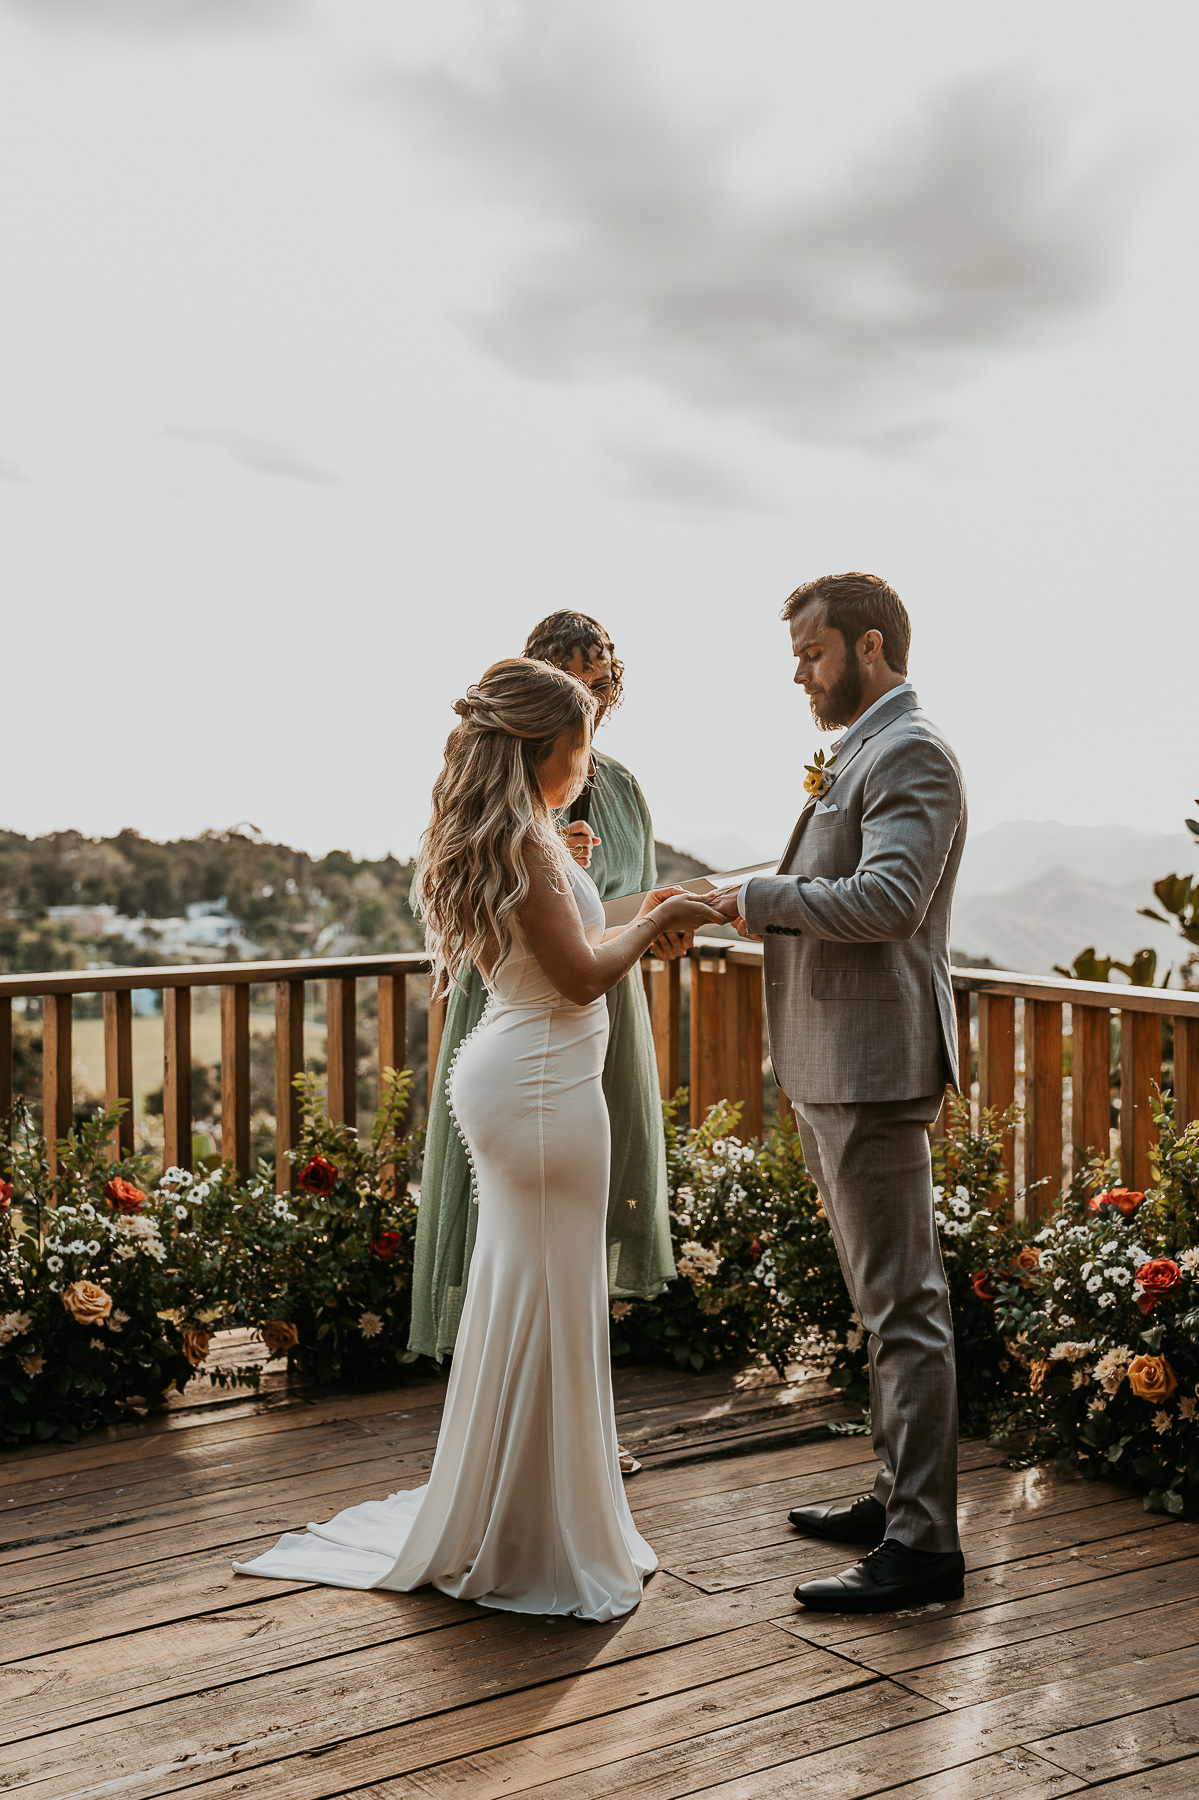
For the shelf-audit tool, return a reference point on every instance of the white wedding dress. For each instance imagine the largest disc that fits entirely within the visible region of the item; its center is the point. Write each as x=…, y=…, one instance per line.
x=525, y=1507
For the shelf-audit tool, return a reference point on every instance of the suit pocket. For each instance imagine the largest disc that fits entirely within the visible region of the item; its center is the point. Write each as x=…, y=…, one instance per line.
x=855, y=984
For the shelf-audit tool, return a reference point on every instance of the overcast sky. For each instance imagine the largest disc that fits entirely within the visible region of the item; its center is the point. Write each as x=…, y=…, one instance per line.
x=344, y=339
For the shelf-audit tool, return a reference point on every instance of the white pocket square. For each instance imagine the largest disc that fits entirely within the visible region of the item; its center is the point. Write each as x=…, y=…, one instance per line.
x=821, y=807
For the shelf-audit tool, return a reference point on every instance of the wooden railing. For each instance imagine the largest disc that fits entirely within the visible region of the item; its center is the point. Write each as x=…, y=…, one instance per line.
x=1015, y=1042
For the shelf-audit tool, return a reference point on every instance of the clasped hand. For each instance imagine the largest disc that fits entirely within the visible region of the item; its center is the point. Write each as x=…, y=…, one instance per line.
x=725, y=902
x=680, y=914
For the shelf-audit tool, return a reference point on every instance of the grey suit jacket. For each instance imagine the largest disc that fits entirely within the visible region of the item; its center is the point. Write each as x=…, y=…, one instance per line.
x=856, y=923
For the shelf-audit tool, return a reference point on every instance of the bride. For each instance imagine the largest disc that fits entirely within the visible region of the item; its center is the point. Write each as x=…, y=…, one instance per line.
x=525, y=1508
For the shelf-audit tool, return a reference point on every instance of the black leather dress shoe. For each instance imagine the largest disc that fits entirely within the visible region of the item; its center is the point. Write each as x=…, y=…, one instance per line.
x=888, y=1577
x=865, y=1522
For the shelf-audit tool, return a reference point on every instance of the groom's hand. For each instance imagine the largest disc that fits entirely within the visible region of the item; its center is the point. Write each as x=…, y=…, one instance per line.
x=724, y=901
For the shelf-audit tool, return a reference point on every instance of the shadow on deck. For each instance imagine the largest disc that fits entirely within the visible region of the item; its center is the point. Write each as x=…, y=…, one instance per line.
x=135, y=1664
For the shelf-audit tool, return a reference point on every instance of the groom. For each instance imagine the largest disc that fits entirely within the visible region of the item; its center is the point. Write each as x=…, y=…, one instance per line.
x=863, y=1037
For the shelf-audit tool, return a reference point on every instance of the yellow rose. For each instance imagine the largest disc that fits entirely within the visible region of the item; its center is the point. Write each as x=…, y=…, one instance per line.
x=195, y=1345
x=279, y=1335
x=1151, y=1378
x=813, y=781
x=86, y=1302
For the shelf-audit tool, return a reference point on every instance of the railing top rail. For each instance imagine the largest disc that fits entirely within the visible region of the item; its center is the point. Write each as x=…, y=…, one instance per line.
x=304, y=968
x=1169, y=1002
x=735, y=950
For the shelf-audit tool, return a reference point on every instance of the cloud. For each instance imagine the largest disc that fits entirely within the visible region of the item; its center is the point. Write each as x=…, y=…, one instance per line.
x=257, y=453
x=833, y=315
x=157, y=18
x=679, y=478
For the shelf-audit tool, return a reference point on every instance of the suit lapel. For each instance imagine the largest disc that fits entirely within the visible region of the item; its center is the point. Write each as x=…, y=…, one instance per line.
x=902, y=703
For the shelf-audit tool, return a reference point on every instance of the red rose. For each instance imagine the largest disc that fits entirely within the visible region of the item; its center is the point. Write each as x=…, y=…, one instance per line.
x=983, y=1284
x=318, y=1176
x=1157, y=1277
x=1125, y=1200
x=386, y=1245
x=5, y=1195
x=123, y=1195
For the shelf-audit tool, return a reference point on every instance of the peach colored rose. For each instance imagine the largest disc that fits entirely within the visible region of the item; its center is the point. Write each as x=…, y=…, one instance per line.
x=1151, y=1378
x=87, y=1302
x=1125, y=1200
x=122, y=1195
x=1029, y=1257
x=279, y=1335
x=195, y=1345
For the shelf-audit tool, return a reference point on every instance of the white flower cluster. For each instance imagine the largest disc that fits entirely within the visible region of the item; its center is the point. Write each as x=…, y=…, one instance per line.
x=733, y=1149
x=1071, y=1352
x=696, y=1261
x=1112, y=1367
x=1188, y=1262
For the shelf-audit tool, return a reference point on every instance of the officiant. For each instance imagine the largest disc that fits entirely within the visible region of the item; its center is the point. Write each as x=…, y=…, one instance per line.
x=615, y=843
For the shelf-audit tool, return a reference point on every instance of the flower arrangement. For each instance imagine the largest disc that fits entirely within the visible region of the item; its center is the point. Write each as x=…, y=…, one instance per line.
x=1107, y=1328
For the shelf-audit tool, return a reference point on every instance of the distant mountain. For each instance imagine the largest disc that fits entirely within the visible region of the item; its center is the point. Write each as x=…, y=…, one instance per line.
x=1010, y=855
x=1050, y=919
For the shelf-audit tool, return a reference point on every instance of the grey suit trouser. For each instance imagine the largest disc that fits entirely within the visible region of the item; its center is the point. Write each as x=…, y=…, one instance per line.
x=870, y=1160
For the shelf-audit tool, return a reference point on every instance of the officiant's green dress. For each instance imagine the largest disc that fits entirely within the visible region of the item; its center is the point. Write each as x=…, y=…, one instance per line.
x=640, y=1262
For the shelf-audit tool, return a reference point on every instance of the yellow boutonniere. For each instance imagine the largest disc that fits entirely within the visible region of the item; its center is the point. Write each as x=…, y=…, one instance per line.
x=818, y=777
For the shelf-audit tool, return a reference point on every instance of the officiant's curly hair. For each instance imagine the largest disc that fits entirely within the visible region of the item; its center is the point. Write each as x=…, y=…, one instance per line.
x=557, y=638
x=855, y=604
x=489, y=817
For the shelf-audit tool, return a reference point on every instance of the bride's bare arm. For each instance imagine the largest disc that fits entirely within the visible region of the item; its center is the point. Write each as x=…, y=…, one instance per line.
x=581, y=971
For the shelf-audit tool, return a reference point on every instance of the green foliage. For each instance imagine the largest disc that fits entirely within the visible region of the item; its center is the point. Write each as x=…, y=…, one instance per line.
x=1141, y=971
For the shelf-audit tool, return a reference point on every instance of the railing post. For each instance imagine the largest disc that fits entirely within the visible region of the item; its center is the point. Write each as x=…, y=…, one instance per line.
x=663, y=981
x=289, y=1062
x=177, y=1077
x=1042, y=1103
x=118, y=1069
x=57, y=1102
x=341, y=1049
x=708, y=974
x=746, y=1025
x=997, y=1067
x=961, y=1001
x=393, y=1024
x=435, y=1029
x=1186, y=1071
x=1140, y=1067
x=235, y=1075
x=1090, y=1080
x=6, y=1069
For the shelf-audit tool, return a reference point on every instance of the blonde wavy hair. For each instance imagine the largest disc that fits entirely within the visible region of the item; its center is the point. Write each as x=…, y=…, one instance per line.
x=489, y=815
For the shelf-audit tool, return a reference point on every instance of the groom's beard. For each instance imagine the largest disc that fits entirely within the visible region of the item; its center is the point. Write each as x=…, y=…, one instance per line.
x=838, y=704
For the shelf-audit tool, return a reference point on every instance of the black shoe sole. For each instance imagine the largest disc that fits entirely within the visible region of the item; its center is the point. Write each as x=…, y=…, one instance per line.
x=872, y=1603
x=836, y=1536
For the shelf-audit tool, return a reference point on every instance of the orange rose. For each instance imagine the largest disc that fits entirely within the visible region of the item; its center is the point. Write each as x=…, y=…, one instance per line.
x=1125, y=1200
x=5, y=1195
x=1151, y=1378
x=123, y=1195
x=86, y=1302
x=279, y=1335
x=195, y=1345
x=983, y=1284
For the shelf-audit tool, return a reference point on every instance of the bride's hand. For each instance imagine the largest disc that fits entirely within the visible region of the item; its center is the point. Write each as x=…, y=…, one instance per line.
x=684, y=912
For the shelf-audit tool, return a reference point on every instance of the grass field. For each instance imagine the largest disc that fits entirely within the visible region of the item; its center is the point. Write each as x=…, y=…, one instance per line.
x=88, y=1050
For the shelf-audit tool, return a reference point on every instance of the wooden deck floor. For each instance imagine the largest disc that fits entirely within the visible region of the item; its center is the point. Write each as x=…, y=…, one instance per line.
x=134, y=1663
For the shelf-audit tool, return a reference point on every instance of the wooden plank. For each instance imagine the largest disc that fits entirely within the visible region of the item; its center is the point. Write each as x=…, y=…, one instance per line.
x=1140, y=1071
x=1059, y=1656
x=664, y=984
x=961, y=1000
x=1014, y=1775
x=1090, y=1080
x=341, y=1050
x=708, y=1076
x=235, y=1076
x=57, y=1099
x=1146, y=1740
x=1042, y=1106
x=1165, y=1002
x=177, y=1077
x=750, y=995
x=289, y=1062
x=1186, y=1070
x=997, y=1067
x=102, y=981
x=118, y=1069
x=1168, y=1781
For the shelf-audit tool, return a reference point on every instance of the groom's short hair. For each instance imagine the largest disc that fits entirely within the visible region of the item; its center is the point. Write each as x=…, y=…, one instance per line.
x=855, y=604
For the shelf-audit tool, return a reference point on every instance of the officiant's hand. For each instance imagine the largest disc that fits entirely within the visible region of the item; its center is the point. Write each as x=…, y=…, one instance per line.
x=580, y=840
